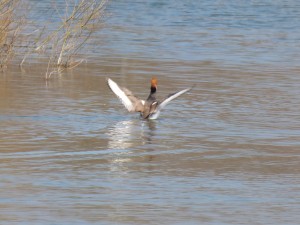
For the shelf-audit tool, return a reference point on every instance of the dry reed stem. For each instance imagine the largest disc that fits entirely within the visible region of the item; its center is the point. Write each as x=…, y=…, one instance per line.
x=10, y=26
x=77, y=25
x=80, y=19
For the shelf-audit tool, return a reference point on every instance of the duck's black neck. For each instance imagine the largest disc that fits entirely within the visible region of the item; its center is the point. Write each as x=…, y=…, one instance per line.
x=152, y=94
x=153, y=90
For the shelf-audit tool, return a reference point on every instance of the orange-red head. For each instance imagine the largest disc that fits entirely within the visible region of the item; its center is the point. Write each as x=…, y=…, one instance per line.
x=154, y=82
x=153, y=85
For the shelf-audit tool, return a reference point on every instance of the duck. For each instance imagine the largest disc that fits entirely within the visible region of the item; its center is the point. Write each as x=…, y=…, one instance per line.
x=149, y=108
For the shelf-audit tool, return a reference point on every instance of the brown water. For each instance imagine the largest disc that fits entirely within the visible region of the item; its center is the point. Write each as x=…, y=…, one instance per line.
x=228, y=152
x=225, y=153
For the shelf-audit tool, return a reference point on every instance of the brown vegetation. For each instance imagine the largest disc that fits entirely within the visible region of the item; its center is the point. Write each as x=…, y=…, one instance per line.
x=77, y=25
x=60, y=46
x=10, y=27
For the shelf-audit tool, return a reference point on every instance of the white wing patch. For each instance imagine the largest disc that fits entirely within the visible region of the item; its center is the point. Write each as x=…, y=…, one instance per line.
x=170, y=98
x=156, y=114
x=121, y=95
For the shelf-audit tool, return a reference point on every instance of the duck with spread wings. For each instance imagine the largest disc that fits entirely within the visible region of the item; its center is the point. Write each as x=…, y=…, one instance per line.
x=149, y=108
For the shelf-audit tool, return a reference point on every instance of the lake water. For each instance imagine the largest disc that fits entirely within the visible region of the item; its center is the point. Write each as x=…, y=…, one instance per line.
x=227, y=152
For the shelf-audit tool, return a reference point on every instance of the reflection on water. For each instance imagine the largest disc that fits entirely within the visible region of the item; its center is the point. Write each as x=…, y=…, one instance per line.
x=149, y=127
x=121, y=135
x=130, y=133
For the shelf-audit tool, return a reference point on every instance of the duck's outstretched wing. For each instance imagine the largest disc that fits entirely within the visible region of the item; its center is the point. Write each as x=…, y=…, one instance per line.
x=131, y=103
x=166, y=101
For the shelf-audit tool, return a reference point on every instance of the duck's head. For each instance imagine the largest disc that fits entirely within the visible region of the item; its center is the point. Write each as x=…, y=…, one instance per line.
x=153, y=84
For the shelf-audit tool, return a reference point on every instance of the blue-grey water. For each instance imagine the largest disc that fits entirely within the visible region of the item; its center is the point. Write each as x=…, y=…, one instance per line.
x=227, y=152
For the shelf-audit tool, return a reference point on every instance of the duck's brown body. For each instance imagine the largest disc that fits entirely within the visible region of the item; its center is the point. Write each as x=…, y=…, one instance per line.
x=149, y=109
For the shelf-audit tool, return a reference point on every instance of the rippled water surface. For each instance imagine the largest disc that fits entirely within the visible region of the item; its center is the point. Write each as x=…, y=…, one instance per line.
x=227, y=152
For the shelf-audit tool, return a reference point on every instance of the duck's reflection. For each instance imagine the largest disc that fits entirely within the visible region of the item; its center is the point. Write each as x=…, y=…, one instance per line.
x=148, y=131
x=127, y=134
x=120, y=135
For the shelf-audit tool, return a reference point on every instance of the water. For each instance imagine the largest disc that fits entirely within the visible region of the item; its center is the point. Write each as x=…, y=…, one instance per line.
x=225, y=153
x=227, y=32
